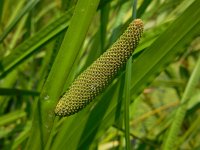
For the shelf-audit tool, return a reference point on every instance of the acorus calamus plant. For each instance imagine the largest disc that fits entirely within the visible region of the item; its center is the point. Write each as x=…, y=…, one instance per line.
x=101, y=72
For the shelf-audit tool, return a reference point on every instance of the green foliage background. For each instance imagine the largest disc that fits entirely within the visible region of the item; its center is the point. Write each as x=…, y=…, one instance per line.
x=153, y=103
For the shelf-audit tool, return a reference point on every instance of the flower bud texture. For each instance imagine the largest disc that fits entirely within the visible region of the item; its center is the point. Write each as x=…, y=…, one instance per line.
x=101, y=72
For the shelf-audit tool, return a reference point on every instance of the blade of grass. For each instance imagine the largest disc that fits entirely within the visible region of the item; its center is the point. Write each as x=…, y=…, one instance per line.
x=18, y=32
x=9, y=91
x=190, y=132
x=143, y=7
x=103, y=3
x=22, y=136
x=169, y=142
x=127, y=98
x=44, y=111
x=127, y=90
x=15, y=12
x=24, y=50
x=54, y=52
x=48, y=60
x=47, y=9
x=67, y=4
x=104, y=21
x=1, y=11
x=26, y=9
x=119, y=115
x=10, y=117
x=8, y=82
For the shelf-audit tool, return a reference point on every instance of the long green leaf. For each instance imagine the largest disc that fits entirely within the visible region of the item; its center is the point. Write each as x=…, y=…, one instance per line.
x=10, y=117
x=24, y=50
x=1, y=10
x=13, y=91
x=26, y=9
x=127, y=99
x=44, y=111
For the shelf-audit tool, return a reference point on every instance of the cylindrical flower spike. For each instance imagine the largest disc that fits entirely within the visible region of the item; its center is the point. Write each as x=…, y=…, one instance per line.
x=99, y=74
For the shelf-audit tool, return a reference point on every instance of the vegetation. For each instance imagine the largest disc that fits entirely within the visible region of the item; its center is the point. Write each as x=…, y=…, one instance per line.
x=153, y=102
